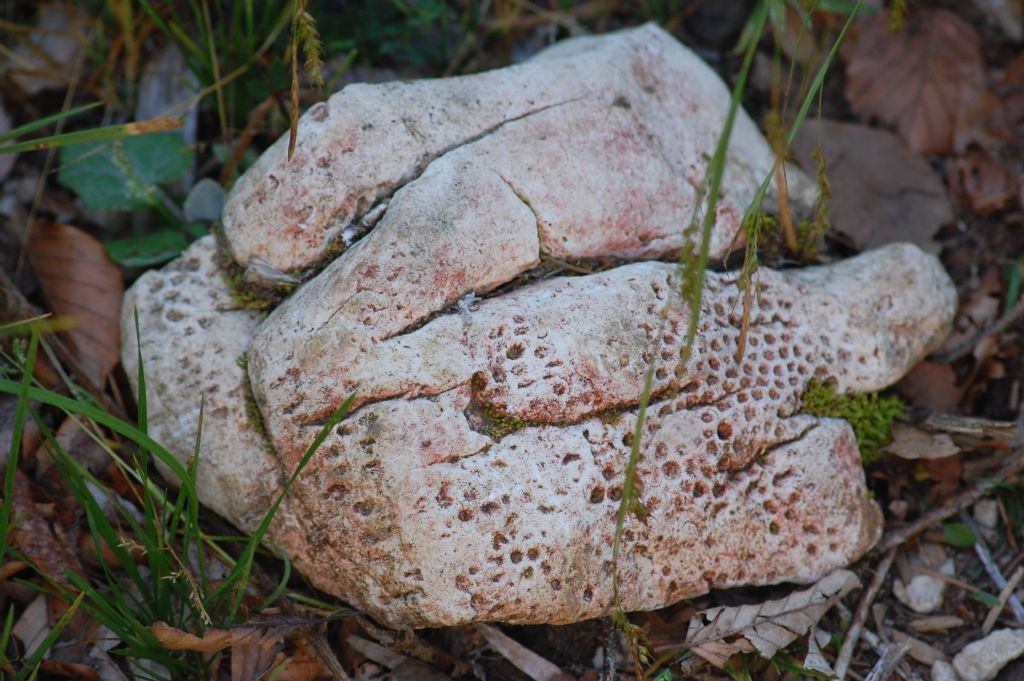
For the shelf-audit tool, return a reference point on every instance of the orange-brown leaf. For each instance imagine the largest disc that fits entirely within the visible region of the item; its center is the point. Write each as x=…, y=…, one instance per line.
x=79, y=280
x=923, y=79
x=173, y=638
x=69, y=670
x=989, y=187
x=253, y=652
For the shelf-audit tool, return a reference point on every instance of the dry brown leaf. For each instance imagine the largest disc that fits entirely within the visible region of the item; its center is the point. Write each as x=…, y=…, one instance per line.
x=936, y=623
x=766, y=627
x=932, y=385
x=80, y=446
x=34, y=537
x=945, y=474
x=253, y=652
x=987, y=184
x=295, y=668
x=909, y=442
x=79, y=280
x=68, y=670
x=923, y=79
x=173, y=638
x=882, y=192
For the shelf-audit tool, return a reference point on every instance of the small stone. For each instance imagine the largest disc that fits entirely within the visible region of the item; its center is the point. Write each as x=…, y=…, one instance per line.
x=924, y=593
x=943, y=671
x=982, y=660
x=204, y=201
x=986, y=513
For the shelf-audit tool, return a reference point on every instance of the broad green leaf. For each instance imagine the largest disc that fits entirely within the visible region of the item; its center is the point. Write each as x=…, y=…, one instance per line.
x=123, y=173
x=958, y=535
x=148, y=249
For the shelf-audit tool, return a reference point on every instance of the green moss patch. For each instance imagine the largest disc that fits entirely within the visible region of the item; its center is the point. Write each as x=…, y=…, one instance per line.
x=870, y=414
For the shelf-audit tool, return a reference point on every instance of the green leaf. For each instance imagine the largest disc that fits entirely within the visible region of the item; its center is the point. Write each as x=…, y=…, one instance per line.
x=958, y=535
x=148, y=249
x=42, y=123
x=986, y=598
x=123, y=174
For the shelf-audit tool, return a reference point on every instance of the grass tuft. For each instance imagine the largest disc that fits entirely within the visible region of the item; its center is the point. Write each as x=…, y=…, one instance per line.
x=155, y=559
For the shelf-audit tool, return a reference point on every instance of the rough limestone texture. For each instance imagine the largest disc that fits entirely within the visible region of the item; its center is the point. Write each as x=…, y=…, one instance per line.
x=619, y=129
x=420, y=510
x=982, y=660
x=479, y=473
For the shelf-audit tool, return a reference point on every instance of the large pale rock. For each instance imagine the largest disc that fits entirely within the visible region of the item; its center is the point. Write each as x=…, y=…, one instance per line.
x=619, y=129
x=418, y=511
x=982, y=659
x=479, y=474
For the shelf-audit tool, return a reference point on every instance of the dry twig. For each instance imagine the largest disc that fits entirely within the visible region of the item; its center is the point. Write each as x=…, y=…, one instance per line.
x=842, y=664
x=1004, y=595
x=991, y=568
x=886, y=664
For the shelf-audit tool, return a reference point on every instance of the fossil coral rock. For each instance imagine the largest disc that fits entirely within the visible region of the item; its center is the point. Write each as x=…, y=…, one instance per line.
x=418, y=511
x=618, y=129
x=479, y=474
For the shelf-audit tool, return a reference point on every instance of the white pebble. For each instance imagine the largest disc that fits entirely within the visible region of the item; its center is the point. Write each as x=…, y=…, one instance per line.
x=943, y=671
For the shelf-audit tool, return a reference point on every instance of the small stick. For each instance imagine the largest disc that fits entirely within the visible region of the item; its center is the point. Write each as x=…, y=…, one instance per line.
x=897, y=537
x=1004, y=595
x=921, y=570
x=886, y=664
x=876, y=643
x=992, y=569
x=408, y=643
x=842, y=664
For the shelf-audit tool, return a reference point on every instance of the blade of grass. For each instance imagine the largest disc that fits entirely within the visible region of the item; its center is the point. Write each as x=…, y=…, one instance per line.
x=5, y=638
x=73, y=406
x=752, y=217
x=45, y=121
x=17, y=431
x=282, y=584
x=31, y=668
x=103, y=134
x=173, y=30
x=239, y=576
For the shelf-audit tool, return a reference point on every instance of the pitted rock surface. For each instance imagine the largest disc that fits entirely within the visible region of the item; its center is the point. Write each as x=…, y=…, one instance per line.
x=479, y=474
